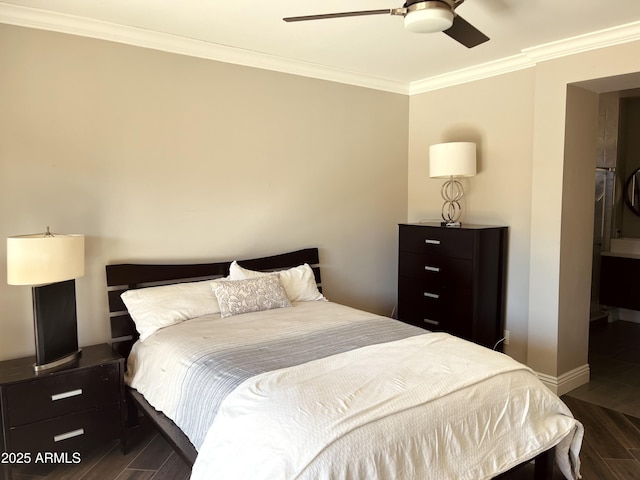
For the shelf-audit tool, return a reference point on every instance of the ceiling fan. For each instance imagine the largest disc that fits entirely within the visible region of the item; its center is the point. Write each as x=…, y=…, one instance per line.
x=424, y=16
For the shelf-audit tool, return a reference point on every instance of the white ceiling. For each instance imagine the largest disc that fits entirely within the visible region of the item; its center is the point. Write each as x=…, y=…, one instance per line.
x=372, y=51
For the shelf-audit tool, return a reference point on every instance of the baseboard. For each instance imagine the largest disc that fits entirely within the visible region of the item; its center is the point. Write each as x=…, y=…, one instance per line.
x=629, y=315
x=567, y=381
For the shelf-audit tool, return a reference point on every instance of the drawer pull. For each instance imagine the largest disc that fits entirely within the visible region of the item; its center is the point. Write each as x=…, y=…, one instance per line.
x=431, y=322
x=431, y=295
x=431, y=269
x=432, y=242
x=63, y=395
x=71, y=434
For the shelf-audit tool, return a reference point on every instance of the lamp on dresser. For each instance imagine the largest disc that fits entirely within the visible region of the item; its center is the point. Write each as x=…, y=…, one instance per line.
x=451, y=160
x=50, y=263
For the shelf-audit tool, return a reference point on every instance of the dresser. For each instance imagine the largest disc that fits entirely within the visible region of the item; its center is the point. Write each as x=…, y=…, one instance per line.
x=64, y=411
x=452, y=279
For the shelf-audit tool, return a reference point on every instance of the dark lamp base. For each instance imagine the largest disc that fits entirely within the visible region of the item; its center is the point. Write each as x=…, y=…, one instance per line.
x=55, y=324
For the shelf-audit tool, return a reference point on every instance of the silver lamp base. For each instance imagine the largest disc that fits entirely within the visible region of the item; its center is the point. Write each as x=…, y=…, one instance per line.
x=452, y=192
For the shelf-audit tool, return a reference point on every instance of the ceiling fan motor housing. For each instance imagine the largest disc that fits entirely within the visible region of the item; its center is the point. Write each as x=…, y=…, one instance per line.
x=428, y=16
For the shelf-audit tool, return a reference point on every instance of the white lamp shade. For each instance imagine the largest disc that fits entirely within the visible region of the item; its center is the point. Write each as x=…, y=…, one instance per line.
x=453, y=159
x=44, y=258
x=429, y=20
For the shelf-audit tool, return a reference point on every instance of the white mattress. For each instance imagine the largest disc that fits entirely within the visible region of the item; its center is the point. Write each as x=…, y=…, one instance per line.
x=439, y=407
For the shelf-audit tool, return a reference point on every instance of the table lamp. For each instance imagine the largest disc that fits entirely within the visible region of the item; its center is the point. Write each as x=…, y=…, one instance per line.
x=50, y=263
x=450, y=160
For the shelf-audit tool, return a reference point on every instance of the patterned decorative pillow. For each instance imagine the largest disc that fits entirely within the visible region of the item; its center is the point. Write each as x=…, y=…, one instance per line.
x=251, y=295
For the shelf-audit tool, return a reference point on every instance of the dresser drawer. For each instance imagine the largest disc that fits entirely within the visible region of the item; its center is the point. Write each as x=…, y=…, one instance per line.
x=68, y=433
x=49, y=397
x=433, y=270
x=430, y=317
x=413, y=290
x=437, y=241
x=433, y=302
x=438, y=317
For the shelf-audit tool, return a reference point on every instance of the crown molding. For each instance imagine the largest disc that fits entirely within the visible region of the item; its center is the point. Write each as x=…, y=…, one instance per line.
x=583, y=43
x=69, y=24
x=471, y=74
x=529, y=57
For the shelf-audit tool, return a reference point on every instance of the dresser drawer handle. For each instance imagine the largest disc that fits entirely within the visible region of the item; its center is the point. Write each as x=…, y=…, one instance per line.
x=63, y=395
x=431, y=295
x=431, y=269
x=71, y=434
x=432, y=242
x=431, y=322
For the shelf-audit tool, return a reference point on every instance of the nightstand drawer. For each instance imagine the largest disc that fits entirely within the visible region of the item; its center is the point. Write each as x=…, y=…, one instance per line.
x=436, y=270
x=69, y=433
x=49, y=397
x=437, y=241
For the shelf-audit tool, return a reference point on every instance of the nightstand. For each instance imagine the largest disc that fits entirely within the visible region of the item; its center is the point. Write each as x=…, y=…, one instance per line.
x=64, y=411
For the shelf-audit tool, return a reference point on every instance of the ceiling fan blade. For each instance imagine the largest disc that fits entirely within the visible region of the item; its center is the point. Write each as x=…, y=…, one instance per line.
x=465, y=33
x=388, y=11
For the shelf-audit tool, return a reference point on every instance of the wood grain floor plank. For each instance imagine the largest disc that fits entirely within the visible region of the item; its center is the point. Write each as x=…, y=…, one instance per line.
x=89, y=460
x=173, y=469
x=619, y=426
x=634, y=420
x=114, y=462
x=625, y=469
x=129, y=474
x=592, y=465
x=603, y=441
x=153, y=456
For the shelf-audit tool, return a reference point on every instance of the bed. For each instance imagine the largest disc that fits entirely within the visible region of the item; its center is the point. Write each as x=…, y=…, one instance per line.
x=295, y=386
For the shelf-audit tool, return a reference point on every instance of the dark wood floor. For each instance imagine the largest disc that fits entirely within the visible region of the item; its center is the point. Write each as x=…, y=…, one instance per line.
x=611, y=447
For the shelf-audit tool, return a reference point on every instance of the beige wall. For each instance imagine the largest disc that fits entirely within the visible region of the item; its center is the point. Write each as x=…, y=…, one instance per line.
x=155, y=156
x=576, y=251
x=497, y=114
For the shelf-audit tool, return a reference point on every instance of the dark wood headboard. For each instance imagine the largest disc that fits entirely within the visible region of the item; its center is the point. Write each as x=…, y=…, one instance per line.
x=126, y=276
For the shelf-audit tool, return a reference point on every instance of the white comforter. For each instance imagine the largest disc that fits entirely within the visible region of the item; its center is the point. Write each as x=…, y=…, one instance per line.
x=431, y=406
x=229, y=350
x=454, y=418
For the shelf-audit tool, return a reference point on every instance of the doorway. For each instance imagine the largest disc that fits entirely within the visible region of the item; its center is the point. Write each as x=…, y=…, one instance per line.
x=614, y=333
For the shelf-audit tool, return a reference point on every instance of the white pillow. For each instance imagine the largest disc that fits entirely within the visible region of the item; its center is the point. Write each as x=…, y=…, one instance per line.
x=251, y=295
x=153, y=308
x=299, y=282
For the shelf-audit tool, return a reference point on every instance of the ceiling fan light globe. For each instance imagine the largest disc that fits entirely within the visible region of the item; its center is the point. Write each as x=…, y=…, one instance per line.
x=428, y=20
